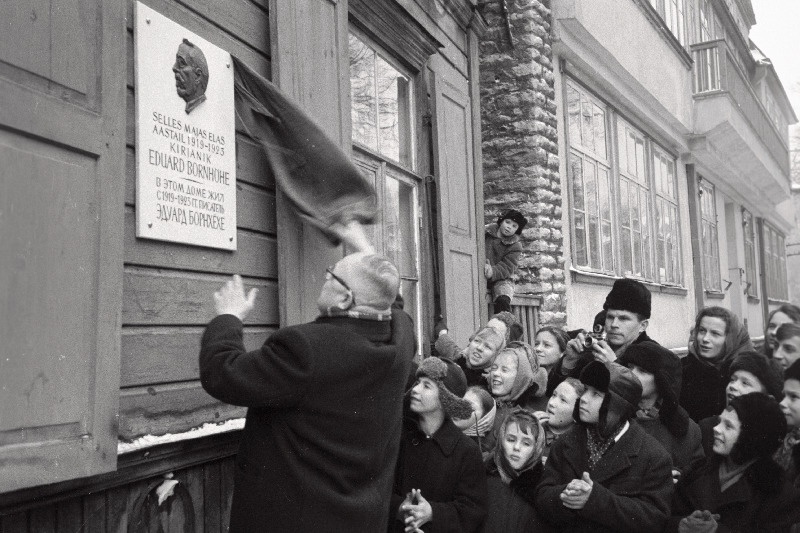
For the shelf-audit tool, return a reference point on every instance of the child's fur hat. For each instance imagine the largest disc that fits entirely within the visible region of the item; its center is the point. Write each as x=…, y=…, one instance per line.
x=452, y=385
x=622, y=394
x=516, y=216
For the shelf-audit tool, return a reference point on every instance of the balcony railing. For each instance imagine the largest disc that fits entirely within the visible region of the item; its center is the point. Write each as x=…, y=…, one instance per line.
x=716, y=72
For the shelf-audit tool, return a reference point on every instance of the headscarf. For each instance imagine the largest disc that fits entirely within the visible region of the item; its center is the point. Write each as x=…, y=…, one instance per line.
x=526, y=375
x=737, y=339
x=517, y=414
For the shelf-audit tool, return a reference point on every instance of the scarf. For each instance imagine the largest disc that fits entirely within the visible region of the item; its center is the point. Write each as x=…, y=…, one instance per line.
x=598, y=446
x=525, y=372
x=482, y=426
x=504, y=468
x=380, y=316
x=730, y=473
x=784, y=455
x=737, y=340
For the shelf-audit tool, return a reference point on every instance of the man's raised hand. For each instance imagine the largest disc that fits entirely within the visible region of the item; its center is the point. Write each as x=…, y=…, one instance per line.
x=230, y=299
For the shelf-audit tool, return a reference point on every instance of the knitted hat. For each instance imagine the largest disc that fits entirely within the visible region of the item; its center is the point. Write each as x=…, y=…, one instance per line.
x=516, y=216
x=629, y=295
x=757, y=364
x=763, y=427
x=452, y=385
x=622, y=394
x=506, y=319
x=667, y=370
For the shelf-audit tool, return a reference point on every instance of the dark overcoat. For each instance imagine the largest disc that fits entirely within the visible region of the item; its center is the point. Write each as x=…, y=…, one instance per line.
x=448, y=469
x=511, y=505
x=324, y=419
x=632, y=487
x=760, y=501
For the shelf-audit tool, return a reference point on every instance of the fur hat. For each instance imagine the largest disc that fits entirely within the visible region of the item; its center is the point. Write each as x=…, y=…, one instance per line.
x=757, y=364
x=763, y=426
x=793, y=372
x=667, y=370
x=452, y=385
x=622, y=394
x=516, y=216
x=629, y=295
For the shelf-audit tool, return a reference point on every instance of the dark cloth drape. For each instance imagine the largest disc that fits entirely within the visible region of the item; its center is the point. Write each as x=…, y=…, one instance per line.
x=320, y=180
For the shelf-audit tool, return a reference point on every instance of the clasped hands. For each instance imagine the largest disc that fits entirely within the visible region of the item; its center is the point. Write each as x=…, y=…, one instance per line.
x=415, y=511
x=577, y=492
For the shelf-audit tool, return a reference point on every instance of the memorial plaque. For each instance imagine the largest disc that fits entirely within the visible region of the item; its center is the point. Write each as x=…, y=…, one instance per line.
x=185, y=144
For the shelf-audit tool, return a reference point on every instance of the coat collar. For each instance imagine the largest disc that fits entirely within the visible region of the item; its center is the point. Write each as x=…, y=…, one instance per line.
x=705, y=485
x=616, y=459
x=373, y=330
x=446, y=437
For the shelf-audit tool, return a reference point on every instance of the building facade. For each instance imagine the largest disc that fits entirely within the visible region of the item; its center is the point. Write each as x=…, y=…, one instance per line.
x=102, y=408
x=672, y=152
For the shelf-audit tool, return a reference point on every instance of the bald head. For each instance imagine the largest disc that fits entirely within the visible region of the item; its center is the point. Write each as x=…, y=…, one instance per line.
x=373, y=279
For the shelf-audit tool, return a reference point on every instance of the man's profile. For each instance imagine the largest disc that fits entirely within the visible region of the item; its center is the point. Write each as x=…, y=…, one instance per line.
x=191, y=74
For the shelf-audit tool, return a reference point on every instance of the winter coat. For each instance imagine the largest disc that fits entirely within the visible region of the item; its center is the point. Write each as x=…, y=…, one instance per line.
x=323, y=424
x=448, y=470
x=760, y=501
x=685, y=451
x=703, y=387
x=503, y=254
x=511, y=506
x=632, y=484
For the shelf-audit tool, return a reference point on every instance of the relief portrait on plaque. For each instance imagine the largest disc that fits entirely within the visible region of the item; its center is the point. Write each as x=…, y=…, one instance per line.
x=191, y=74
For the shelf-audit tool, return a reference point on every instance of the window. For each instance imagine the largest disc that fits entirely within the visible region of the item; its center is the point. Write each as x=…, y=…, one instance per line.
x=624, y=195
x=775, y=263
x=709, y=237
x=675, y=16
x=751, y=287
x=381, y=112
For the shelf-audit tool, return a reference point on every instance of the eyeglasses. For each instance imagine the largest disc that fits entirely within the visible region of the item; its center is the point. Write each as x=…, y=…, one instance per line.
x=344, y=284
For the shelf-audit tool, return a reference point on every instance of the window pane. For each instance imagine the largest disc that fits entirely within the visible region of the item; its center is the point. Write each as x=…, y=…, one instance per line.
x=364, y=103
x=587, y=128
x=577, y=181
x=574, y=110
x=399, y=226
x=580, y=240
x=393, y=107
x=600, y=132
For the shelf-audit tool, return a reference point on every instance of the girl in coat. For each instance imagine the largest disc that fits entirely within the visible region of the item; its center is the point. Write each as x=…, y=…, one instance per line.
x=788, y=455
x=557, y=418
x=785, y=314
x=440, y=481
x=739, y=487
x=606, y=473
x=513, y=473
x=549, y=346
x=718, y=336
x=482, y=349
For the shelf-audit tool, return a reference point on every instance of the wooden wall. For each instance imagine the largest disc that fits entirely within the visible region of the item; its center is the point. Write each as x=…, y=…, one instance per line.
x=167, y=288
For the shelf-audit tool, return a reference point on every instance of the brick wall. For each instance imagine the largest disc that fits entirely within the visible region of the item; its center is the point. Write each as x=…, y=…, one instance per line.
x=520, y=142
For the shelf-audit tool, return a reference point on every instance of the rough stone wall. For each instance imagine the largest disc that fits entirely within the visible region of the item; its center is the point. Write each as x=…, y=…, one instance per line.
x=520, y=142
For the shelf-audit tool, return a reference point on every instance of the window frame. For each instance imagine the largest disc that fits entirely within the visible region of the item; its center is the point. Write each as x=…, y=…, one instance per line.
x=750, y=253
x=774, y=248
x=710, y=221
x=613, y=119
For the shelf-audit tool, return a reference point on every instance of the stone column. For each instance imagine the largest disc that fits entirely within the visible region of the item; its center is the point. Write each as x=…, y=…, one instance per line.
x=520, y=142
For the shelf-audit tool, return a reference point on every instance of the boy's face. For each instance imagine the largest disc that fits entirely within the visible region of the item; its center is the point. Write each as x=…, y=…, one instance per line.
x=787, y=352
x=508, y=227
x=647, y=380
x=425, y=396
x=743, y=382
x=483, y=347
x=561, y=406
x=503, y=373
x=726, y=433
x=590, y=403
x=777, y=320
x=790, y=405
x=517, y=446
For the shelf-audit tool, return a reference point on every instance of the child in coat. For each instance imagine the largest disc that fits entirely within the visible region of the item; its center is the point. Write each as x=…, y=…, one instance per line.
x=440, y=480
x=513, y=472
x=557, y=418
x=503, y=249
x=788, y=455
x=606, y=473
x=739, y=487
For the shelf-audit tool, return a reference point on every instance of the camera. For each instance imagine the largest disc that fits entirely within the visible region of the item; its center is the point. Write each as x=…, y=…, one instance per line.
x=596, y=335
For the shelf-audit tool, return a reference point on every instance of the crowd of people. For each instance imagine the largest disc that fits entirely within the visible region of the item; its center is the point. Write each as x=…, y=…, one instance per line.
x=583, y=431
x=590, y=431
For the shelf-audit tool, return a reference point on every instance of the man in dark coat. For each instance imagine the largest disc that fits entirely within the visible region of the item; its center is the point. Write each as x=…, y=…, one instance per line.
x=325, y=402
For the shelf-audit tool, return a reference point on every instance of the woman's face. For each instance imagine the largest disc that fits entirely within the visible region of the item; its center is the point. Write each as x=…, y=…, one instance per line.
x=546, y=349
x=477, y=410
x=425, y=396
x=787, y=352
x=790, y=405
x=590, y=403
x=561, y=406
x=518, y=446
x=726, y=433
x=503, y=374
x=483, y=347
x=710, y=337
x=775, y=322
x=743, y=382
